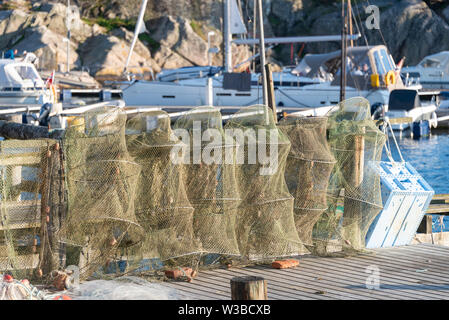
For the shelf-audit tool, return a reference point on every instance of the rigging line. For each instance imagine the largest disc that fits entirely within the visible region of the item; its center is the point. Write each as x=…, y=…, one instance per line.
x=361, y=30
x=396, y=142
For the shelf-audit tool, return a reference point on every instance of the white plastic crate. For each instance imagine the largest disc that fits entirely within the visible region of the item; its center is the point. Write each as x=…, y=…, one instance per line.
x=405, y=197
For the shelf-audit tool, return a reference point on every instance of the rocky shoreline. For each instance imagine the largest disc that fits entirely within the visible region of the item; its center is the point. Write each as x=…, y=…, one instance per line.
x=102, y=31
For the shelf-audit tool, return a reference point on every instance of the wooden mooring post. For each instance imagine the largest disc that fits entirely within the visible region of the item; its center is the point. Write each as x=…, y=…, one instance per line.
x=248, y=288
x=270, y=89
x=352, y=216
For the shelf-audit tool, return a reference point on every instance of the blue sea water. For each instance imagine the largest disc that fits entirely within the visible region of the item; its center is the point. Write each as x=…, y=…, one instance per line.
x=430, y=157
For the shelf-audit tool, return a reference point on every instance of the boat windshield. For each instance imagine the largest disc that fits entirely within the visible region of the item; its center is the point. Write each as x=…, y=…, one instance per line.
x=383, y=62
x=27, y=73
x=430, y=63
x=386, y=60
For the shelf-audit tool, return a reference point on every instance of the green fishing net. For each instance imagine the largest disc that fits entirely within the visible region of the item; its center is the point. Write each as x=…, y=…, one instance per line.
x=354, y=197
x=265, y=224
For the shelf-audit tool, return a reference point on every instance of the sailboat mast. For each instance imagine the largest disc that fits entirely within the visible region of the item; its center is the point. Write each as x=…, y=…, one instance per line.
x=137, y=31
x=68, y=23
x=254, y=31
x=262, y=53
x=343, y=53
x=227, y=35
x=350, y=21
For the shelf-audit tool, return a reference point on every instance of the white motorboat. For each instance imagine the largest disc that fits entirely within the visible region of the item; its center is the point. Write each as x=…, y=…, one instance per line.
x=407, y=104
x=20, y=84
x=431, y=73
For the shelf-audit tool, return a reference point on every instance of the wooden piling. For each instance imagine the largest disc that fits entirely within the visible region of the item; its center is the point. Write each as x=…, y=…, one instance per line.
x=248, y=288
x=352, y=216
x=270, y=89
x=426, y=225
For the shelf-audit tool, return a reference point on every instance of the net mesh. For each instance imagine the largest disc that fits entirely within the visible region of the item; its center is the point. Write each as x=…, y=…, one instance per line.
x=265, y=225
x=308, y=169
x=354, y=197
x=30, y=207
x=119, y=191
x=162, y=206
x=210, y=179
x=101, y=184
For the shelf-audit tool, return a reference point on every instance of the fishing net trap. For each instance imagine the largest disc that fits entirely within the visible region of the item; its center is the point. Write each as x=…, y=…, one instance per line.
x=101, y=183
x=354, y=195
x=308, y=169
x=212, y=189
x=130, y=192
x=265, y=224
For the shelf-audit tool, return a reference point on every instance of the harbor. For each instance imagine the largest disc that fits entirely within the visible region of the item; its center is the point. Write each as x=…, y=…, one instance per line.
x=207, y=168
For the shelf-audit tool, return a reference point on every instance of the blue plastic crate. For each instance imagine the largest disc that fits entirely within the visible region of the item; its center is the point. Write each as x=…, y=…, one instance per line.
x=405, y=197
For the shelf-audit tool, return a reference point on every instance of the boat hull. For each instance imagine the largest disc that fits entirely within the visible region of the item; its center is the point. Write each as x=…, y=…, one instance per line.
x=155, y=93
x=23, y=98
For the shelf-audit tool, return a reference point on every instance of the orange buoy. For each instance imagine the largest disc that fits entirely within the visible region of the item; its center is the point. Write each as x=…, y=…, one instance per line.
x=8, y=278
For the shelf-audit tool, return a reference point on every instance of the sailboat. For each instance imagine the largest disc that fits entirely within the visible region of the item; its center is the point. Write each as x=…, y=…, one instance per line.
x=219, y=86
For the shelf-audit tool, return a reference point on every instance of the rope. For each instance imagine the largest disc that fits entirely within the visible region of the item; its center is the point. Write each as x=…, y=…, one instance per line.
x=388, y=147
x=30, y=290
x=361, y=30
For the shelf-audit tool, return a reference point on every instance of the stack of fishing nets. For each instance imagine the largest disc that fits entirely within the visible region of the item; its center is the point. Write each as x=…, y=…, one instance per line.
x=265, y=224
x=354, y=195
x=101, y=184
x=210, y=179
x=309, y=165
x=30, y=186
x=161, y=205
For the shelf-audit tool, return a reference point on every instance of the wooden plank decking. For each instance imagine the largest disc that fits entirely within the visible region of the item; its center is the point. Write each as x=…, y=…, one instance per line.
x=418, y=272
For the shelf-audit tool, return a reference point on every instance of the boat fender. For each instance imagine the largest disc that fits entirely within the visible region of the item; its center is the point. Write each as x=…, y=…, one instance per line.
x=434, y=121
x=377, y=110
x=390, y=78
x=375, y=82
x=44, y=114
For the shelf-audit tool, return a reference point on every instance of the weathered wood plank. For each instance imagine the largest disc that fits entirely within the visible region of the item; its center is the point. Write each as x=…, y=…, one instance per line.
x=343, y=269
x=405, y=273
x=280, y=286
x=223, y=280
x=21, y=214
x=299, y=291
x=328, y=288
x=442, y=209
x=426, y=225
x=399, y=285
x=439, y=197
x=20, y=159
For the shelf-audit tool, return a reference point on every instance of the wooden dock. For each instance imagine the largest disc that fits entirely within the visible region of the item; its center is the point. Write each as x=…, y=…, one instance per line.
x=418, y=272
x=438, y=206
